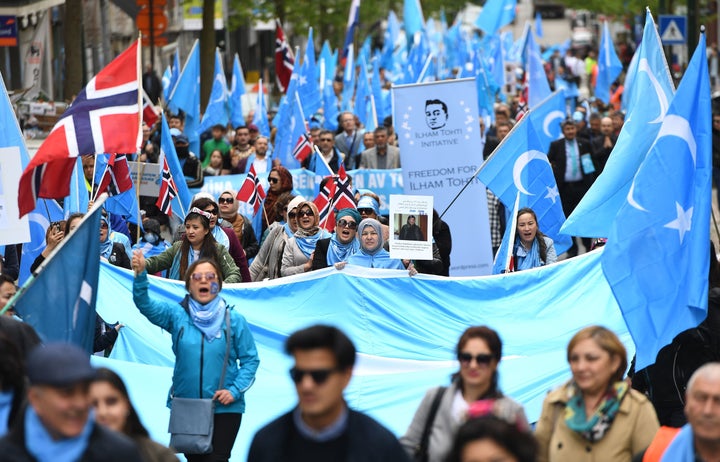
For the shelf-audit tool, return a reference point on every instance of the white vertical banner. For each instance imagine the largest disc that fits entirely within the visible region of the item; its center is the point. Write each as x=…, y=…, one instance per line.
x=13, y=230
x=440, y=147
x=35, y=53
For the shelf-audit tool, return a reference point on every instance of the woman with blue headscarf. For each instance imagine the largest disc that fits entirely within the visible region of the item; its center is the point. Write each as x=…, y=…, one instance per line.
x=298, y=253
x=532, y=248
x=371, y=253
x=114, y=252
x=342, y=244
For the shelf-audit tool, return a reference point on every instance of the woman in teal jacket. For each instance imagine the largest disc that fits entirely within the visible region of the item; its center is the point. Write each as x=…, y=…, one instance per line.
x=198, y=328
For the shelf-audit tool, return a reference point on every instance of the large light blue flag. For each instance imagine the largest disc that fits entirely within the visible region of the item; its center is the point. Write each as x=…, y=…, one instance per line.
x=330, y=108
x=391, y=37
x=218, y=108
x=281, y=121
x=237, y=91
x=538, y=86
x=546, y=119
x=657, y=255
x=124, y=204
x=363, y=108
x=295, y=129
x=413, y=19
x=260, y=117
x=77, y=200
x=520, y=164
x=496, y=14
x=307, y=85
x=348, y=81
x=186, y=97
x=173, y=74
x=651, y=89
x=404, y=349
x=609, y=66
x=327, y=63
x=71, y=294
x=181, y=202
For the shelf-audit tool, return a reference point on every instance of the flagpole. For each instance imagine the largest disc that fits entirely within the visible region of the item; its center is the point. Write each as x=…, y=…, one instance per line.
x=482, y=166
x=141, y=172
x=92, y=181
x=33, y=276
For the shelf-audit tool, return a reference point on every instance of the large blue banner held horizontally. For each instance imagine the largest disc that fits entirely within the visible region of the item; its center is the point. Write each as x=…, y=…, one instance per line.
x=405, y=330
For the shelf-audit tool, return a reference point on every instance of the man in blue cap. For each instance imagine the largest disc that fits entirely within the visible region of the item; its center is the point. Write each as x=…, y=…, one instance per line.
x=57, y=425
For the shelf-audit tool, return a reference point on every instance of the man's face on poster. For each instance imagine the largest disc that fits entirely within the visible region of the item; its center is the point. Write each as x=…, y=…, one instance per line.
x=435, y=116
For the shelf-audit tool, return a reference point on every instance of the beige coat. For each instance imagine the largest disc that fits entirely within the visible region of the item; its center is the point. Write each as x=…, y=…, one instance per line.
x=632, y=431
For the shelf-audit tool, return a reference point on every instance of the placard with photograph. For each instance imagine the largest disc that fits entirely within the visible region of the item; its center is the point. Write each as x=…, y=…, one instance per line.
x=411, y=227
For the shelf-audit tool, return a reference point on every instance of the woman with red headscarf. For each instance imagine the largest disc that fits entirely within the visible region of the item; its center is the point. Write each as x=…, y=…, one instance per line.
x=280, y=181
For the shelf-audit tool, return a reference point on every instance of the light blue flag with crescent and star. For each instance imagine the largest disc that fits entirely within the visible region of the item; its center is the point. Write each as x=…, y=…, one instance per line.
x=413, y=19
x=520, y=164
x=656, y=259
x=652, y=89
x=307, y=85
x=237, y=92
x=260, y=118
x=217, y=111
x=495, y=14
x=71, y=294
x=537, y=82
x=186, y=97
x=547, y=118
x=609, y=66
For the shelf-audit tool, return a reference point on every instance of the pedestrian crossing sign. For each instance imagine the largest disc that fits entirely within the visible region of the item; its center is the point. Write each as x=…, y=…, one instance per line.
x=672, y=29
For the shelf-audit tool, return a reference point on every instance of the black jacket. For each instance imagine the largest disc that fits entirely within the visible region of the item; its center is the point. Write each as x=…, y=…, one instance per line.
x=558, y=159
x=104, y=445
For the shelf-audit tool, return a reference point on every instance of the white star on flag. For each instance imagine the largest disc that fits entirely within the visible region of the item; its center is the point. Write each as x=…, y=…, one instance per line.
x=683, y=222
x=552, y=193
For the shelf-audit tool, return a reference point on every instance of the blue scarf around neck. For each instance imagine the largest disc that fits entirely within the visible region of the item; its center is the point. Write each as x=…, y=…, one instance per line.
x=287, y=229
x=337, y=251
x=106, y=246
x=306, y=244
x=527, y=259
x=379, y=259
x=41, y=445
x=209, y=317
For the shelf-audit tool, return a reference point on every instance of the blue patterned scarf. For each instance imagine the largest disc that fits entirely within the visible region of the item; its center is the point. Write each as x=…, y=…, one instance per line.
x=209, y=317
x=527, y=259
x=44, y=448
x=595, y=427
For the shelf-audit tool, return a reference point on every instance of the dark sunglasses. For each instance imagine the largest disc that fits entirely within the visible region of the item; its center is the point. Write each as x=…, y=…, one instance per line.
x=319, y=376
x=226, y=200
x=366, y=211
x=482, y=358
x=326, y=140
x=103, y=226
x=213, y=211
x=292, y=215
x=273, y=180
x=306, y=213
x=347, y=224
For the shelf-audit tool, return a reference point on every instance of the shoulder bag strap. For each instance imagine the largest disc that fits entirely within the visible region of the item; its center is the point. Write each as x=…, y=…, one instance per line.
x=228, y=336
x=422, y=454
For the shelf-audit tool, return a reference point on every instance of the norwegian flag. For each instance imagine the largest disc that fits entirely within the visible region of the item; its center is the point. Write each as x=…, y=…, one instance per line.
x=116, y=178
x=252, y=192
x=150, y=113
x=303, y=148
x=284, y=58
x=343, y=197
x=104, y=118
x=324, y=204
x=168, y=189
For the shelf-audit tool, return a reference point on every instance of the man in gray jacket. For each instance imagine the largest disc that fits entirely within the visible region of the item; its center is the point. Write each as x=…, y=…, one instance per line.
x=383, y=156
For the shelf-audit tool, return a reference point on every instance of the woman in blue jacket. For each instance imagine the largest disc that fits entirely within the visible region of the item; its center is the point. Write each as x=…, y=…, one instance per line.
x=197, y=325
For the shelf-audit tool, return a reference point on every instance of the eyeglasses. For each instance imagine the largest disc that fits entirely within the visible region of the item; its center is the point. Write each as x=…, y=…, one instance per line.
x=347, y=224
x=292, y=215
x=306, y=213
x=366, y=211
x=199, y=276
x=325, y=140
x=226, y=200
x=213, y=211
x=103, y=226
x=483, y=358
x=319, y=376
x=273, y=180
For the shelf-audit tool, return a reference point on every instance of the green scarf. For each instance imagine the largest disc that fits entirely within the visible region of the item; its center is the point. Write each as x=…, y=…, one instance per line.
x=595, y=427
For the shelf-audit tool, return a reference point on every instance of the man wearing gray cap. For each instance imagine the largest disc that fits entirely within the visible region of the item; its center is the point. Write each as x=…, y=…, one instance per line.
x=56, y=424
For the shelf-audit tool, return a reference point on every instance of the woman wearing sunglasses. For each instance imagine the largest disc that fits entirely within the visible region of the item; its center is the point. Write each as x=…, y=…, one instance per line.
x=268, y=261
x=198, y=328
x=479, y=351
x=342, y=244
x=280, y=181
x=298, y=254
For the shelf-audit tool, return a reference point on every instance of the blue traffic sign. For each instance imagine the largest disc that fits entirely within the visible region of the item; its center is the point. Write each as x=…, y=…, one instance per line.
x=673, y=29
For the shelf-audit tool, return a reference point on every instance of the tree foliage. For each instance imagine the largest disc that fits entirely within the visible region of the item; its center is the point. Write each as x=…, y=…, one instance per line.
x=329, y=17
x=615, y=8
